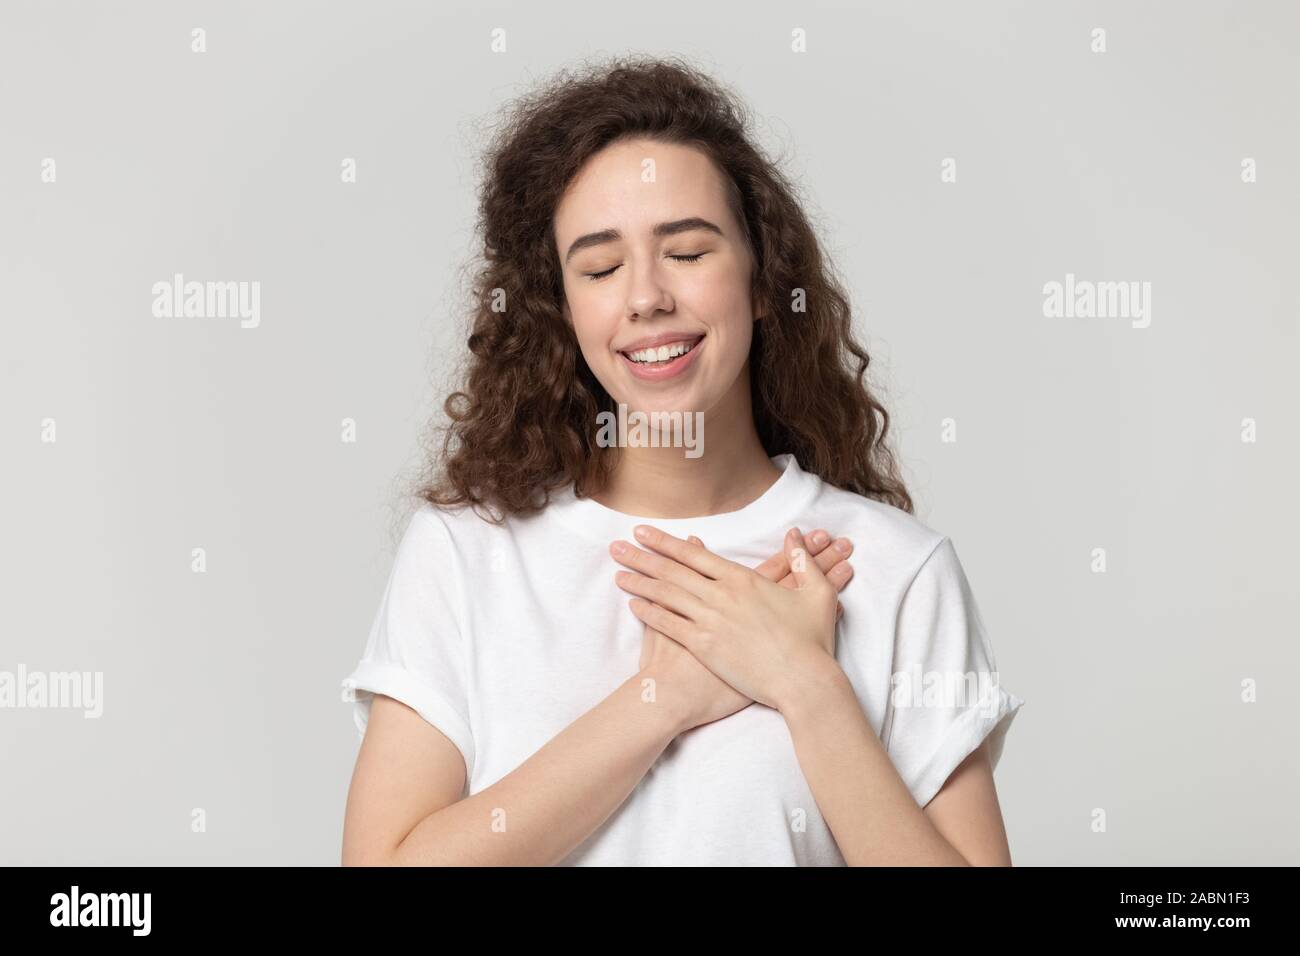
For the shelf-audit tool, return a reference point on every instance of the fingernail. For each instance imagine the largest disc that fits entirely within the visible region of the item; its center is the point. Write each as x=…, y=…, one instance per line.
x=819, y=538
x=842, y=545
x=642, y=531
x=618, y=547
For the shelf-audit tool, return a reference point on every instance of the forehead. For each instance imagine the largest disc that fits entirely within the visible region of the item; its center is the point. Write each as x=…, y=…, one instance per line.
x=634, y=184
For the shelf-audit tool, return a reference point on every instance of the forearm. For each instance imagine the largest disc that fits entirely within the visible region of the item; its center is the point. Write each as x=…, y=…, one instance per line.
x=866, y=804
x=539, y=812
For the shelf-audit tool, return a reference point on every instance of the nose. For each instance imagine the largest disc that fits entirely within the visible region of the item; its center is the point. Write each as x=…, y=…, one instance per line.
x=647, y=294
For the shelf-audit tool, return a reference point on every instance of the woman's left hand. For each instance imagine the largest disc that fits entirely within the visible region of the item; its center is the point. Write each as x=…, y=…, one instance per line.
x=765, y=640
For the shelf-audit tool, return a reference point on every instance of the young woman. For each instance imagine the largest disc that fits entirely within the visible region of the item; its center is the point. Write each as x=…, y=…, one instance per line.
x=629, y=653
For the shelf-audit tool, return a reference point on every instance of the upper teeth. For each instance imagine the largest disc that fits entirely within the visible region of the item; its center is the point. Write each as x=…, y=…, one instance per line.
x=661, y=354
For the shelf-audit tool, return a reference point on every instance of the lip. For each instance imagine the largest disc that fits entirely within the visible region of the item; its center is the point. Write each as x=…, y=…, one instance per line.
x=658, y=339
x=668, y=369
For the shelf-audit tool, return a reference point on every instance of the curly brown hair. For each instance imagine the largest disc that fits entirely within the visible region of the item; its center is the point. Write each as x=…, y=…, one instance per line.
x=524, y=421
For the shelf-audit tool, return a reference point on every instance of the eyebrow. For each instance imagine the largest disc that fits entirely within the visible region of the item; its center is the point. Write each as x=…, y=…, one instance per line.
x=662, y=229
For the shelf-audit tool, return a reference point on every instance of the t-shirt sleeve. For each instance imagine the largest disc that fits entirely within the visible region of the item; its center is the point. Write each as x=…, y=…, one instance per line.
x=416, y=651
x=945, y=698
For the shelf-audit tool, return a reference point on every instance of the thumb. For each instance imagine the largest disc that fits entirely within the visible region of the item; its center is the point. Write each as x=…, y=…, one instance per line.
x=806, y=571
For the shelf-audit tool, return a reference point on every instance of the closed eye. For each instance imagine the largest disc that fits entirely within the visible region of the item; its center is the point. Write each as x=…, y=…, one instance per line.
x=597, y=276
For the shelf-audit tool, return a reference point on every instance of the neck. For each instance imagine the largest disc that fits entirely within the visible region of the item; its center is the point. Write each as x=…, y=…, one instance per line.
x=663, y=483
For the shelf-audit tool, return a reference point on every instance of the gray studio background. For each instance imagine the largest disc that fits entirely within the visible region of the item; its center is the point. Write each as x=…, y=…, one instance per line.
x=221, y=689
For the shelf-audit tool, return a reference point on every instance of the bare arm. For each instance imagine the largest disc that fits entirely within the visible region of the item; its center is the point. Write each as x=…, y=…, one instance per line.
x=866, y=804
x=404, y=803
x=403, y=808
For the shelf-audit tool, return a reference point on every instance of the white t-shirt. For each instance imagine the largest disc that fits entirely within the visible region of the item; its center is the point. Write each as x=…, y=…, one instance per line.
x=502, y=636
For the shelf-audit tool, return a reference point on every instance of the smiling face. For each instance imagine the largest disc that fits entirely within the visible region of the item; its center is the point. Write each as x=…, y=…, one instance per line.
x=653, y=259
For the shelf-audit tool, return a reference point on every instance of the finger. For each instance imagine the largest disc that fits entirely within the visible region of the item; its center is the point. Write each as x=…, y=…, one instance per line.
x=695, y=540
x=840, y=575
x=694, y=556
x=664, y=593
x=777, y=567
x=805, y=570
x=662, y=620
x=661, y=568
x=827, y=560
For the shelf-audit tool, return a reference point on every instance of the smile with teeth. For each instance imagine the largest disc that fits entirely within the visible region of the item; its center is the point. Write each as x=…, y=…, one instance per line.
x=664, y=353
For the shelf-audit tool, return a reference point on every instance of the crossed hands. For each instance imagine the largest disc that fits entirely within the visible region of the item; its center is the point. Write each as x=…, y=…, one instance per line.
x=720, y=636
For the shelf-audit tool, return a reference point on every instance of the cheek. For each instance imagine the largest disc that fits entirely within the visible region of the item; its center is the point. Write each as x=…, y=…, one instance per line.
x=732, y=324
x=594, y=337
x=721, y=293
x=732, y=357
x=590, y=328
x=597, y=356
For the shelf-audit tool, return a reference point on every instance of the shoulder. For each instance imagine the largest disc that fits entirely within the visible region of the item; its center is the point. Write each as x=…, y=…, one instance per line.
x=457, y=533
x=439, y=549
x=427, y=526
x=883, y=532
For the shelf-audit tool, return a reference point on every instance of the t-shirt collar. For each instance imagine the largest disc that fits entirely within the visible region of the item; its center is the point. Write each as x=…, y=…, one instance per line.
x=777, y=509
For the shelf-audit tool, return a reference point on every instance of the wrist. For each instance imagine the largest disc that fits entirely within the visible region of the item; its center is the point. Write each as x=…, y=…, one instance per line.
x=668, y=712
x=818, y=682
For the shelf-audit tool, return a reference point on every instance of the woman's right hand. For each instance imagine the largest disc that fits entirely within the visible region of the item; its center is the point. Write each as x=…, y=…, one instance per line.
x=703, y=696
